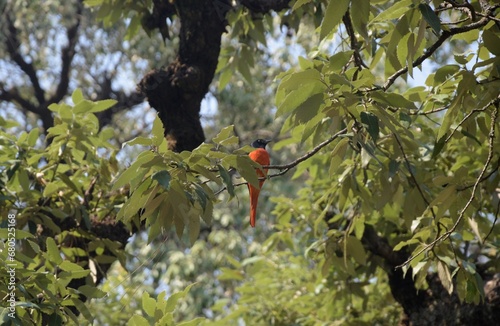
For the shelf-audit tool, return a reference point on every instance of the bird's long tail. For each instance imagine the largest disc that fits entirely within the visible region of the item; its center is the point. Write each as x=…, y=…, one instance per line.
x=254, y=198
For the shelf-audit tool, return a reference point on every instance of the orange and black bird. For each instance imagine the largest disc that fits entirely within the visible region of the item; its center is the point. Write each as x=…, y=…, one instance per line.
x=261, y=156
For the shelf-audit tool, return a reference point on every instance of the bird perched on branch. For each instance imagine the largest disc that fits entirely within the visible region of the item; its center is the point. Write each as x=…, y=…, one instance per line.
x=261, y=156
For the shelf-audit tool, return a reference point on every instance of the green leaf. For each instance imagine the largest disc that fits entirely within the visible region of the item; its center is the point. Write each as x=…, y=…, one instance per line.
x=444, y=72
x=402, y=244
x=138, y=199
x=70, y=267
x=226, y=178
x=451, y=114
x=194, y=226
x=337, y=155
x=438, y=146
x=356, y=250
x=444, y=276
x=20, y=234
x=140, y=140
x=308, y=109
x=246, y=167
x=53, y=251
x=92, y=291
x=492, y=42
x=300, y=3
x=133, y=27
x=224, y=78
x=102, y=105
x=83, y=106
x=193, y=322
x=393, y=100
x=224, y=134
x=163, y=178
x=371, y=121
x=148, y=304
x=157, y=132
x=431, y=17
x=333, y=15
x=302, y=86
x=228, y=274
x=82, y=308
x=174, y=298
x=150, y=207
x=201, y=195
x=132, y=172
x=138, y=320
x=395, y=11
x=360, y=15
x=77, y=96
x=33, y=137
x=93, y=3
x=207, y=173
x=339, y=60
x=244, y=69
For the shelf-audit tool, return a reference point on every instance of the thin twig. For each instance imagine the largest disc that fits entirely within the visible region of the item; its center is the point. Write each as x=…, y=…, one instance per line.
x=461, y=215
x=484, y=108
x=308, y=154
x=495, y=220
x=433, y=48
x=443, y=108
x=408, y=166
x=286, y=167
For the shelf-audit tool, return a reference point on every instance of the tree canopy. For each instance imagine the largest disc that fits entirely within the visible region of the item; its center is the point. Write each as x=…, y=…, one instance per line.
x=383, y=194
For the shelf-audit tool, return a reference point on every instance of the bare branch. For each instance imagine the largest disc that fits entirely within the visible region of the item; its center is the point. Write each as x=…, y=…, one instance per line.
x=12, y=45
x=13, y=96
x=67, y=56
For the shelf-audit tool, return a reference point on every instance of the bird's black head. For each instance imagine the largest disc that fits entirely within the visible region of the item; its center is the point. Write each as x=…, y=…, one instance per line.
x=260, y=143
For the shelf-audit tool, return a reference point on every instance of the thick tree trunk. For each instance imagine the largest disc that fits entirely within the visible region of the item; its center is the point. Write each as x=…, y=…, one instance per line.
x=176, y=92
x=433, y=306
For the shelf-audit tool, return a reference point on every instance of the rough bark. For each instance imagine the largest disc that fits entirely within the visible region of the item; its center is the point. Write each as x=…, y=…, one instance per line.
x=176, y=92
x=433, y=306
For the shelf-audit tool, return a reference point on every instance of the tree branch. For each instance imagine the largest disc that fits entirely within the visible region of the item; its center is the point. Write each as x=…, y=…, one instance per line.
x=412, y=175
x=494, y=102
x=358, y=61
x=304, y=157
x=12, y=45
x=461, y=215
x=13, y=96
x=444, y=36
x=286, y=167
x=67, y=56
x=176, y=91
